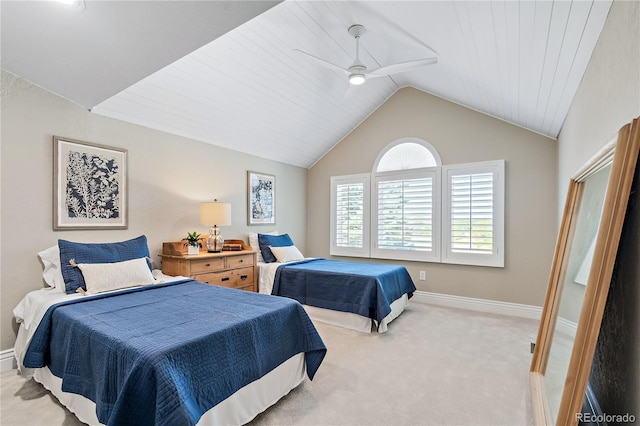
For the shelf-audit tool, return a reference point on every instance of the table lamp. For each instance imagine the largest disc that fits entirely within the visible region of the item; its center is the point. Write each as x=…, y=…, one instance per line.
x=215, y=214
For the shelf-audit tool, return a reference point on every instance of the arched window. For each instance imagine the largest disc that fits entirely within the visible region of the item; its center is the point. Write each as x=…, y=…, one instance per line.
x=406, y=190
x=405, y=154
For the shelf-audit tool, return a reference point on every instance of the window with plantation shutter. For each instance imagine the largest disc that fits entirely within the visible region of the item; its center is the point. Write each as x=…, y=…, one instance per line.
x=406, y=215
x=349, y=211
x=350, y=215
x=411, y=207
x=473, y=213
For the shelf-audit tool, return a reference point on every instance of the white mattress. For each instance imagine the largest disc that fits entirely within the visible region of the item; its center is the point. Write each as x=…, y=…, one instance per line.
x=267, y=273
x=239, y=408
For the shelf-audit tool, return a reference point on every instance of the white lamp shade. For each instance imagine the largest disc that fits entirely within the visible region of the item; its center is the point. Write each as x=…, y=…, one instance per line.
x=215, y=214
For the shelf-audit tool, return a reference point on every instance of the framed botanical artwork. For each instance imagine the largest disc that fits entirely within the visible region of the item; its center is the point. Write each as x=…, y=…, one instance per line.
x=261, y=199
x=89, y=186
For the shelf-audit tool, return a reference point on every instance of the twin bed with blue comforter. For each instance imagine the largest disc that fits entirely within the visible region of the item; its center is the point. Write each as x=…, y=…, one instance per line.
x=358, y=295
x=365, y=289
x=165, y=354
x=165, y=351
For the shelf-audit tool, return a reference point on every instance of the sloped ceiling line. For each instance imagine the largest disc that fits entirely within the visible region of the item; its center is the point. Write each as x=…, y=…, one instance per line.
x=574, y=56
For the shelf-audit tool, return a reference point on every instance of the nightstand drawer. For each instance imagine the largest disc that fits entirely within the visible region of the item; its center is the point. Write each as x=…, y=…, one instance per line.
x=236, y=269
x=239, y=261
x=236, y=278
x=206, y=265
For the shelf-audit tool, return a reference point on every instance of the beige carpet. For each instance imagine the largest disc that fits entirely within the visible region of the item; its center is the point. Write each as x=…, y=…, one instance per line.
x=435, y=366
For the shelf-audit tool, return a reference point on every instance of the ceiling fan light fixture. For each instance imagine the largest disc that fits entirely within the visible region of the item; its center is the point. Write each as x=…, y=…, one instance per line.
x=356, y=79
x=73, y=4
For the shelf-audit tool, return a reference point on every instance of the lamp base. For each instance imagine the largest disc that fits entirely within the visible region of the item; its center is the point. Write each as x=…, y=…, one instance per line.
x=215, y=240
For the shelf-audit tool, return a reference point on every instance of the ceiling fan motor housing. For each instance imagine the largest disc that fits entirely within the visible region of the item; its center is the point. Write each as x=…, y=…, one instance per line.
x=357, y=69
x=357, y=30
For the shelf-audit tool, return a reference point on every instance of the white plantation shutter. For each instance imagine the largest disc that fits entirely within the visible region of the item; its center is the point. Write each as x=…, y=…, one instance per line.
x=350, y=215
x=405, y=220
x=349, y=211
x=405, y=214
x=473, y=214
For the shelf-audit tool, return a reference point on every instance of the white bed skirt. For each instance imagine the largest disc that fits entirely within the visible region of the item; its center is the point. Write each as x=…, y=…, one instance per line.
x=354, y=321
x=239, y=408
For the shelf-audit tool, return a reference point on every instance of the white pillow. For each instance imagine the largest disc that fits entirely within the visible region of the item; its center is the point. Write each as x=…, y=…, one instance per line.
x=52, y=273
x=286, y=254
x=100, y=277
x=255, y=246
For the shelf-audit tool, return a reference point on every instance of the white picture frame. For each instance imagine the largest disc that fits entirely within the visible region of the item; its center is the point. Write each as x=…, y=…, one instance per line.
x=261, y=198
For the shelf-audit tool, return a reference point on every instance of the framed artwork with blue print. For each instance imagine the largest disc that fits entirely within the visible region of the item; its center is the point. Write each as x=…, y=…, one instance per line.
x=89, y=186
x=261, y=199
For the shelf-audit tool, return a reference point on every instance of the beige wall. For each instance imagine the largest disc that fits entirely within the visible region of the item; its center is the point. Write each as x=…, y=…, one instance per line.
x=460, y=135
x=164, y=189
x=608, y=96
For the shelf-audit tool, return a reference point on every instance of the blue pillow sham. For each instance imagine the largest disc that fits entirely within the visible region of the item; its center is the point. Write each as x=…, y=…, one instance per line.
x=96, y=253
x=266, y=240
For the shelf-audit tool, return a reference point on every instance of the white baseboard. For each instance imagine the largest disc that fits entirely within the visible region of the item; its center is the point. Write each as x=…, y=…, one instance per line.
x=7, y=361
x=566, y=327
x=481, y=305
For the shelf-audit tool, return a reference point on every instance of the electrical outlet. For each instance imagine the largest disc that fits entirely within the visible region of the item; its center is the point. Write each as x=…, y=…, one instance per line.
x=423, y=275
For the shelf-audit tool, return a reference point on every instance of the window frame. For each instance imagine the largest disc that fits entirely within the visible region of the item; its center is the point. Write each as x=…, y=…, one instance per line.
x=365, y=250
x=400, y=254
x=496, y=258
x=432, y=150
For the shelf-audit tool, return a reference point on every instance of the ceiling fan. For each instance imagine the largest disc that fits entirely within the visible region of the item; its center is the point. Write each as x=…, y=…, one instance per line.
x=358, y=72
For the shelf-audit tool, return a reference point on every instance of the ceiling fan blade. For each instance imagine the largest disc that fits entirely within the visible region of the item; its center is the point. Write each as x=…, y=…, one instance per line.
x=323, y=62
x=350, y=90
x=402, y=67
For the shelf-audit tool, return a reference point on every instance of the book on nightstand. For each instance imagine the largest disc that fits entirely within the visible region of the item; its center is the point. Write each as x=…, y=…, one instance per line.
x=233, y=245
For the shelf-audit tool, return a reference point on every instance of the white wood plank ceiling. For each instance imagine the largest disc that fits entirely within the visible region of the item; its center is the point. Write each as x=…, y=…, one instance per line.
x=248, y=90
x=90, y=53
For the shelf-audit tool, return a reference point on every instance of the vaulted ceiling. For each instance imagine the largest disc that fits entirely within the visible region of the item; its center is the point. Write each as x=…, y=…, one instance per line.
x=230, y=74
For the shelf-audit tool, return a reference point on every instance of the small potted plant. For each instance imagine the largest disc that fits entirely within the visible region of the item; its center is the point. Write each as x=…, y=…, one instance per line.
x=193, y=242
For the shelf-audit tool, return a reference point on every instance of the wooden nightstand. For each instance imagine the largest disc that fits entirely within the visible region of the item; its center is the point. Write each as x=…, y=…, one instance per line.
x=235, y=269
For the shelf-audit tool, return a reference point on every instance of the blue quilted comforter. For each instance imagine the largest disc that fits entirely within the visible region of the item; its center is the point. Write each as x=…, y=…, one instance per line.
x=165, y=354
x=366, y=289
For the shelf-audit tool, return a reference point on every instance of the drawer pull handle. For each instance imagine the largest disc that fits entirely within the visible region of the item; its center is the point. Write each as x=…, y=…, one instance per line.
x=207, y=264
x=243, y=277
x=225, y=279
